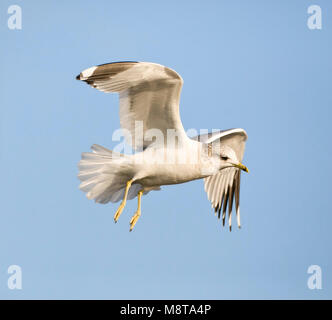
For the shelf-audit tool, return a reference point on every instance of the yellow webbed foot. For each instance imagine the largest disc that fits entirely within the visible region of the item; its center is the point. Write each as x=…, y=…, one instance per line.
x=134, y=219
x=138, y=212
x=118, y=212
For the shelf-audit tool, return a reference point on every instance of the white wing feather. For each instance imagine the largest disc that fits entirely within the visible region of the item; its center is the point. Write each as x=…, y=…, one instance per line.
x=149, y=93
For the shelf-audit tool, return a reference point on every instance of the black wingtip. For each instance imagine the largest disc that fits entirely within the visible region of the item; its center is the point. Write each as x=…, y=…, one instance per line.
x=78, y=77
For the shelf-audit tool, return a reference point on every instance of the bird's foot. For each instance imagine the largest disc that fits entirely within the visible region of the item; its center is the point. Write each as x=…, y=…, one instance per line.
x=134, y=219
x=119, y=211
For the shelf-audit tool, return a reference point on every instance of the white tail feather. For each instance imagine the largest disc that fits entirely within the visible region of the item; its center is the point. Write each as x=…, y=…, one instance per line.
x=104, y=173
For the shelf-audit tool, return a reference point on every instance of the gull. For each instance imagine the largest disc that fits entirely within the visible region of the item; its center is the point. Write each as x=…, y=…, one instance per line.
x=163, y=153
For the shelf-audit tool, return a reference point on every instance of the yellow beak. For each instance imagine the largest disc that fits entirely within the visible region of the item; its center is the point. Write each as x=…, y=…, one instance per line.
x=242, y=167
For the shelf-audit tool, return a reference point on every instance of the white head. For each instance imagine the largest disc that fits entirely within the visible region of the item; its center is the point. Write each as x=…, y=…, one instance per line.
x=227, y=157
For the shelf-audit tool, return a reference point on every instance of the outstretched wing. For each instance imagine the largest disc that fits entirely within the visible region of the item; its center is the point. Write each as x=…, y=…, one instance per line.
x=223, y=188
x=149, y=97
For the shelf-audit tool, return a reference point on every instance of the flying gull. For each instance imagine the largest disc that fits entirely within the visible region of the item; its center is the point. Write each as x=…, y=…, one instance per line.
x=163, y=153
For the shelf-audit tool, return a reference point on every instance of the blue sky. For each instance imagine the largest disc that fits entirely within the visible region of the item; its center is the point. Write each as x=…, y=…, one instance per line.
x=249, y=64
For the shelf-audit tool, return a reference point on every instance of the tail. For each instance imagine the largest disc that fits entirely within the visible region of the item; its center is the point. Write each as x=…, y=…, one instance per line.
x=104, y=174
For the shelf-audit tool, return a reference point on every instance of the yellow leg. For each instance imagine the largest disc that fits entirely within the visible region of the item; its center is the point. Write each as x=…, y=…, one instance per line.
x=138, y=212
x=123, y=203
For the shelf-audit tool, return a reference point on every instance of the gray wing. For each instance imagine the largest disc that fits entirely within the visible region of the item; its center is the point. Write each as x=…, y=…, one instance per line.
x=149, y=93
x=223, y=188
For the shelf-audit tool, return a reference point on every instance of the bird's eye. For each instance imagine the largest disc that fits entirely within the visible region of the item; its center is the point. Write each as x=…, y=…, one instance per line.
x=224, y=158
